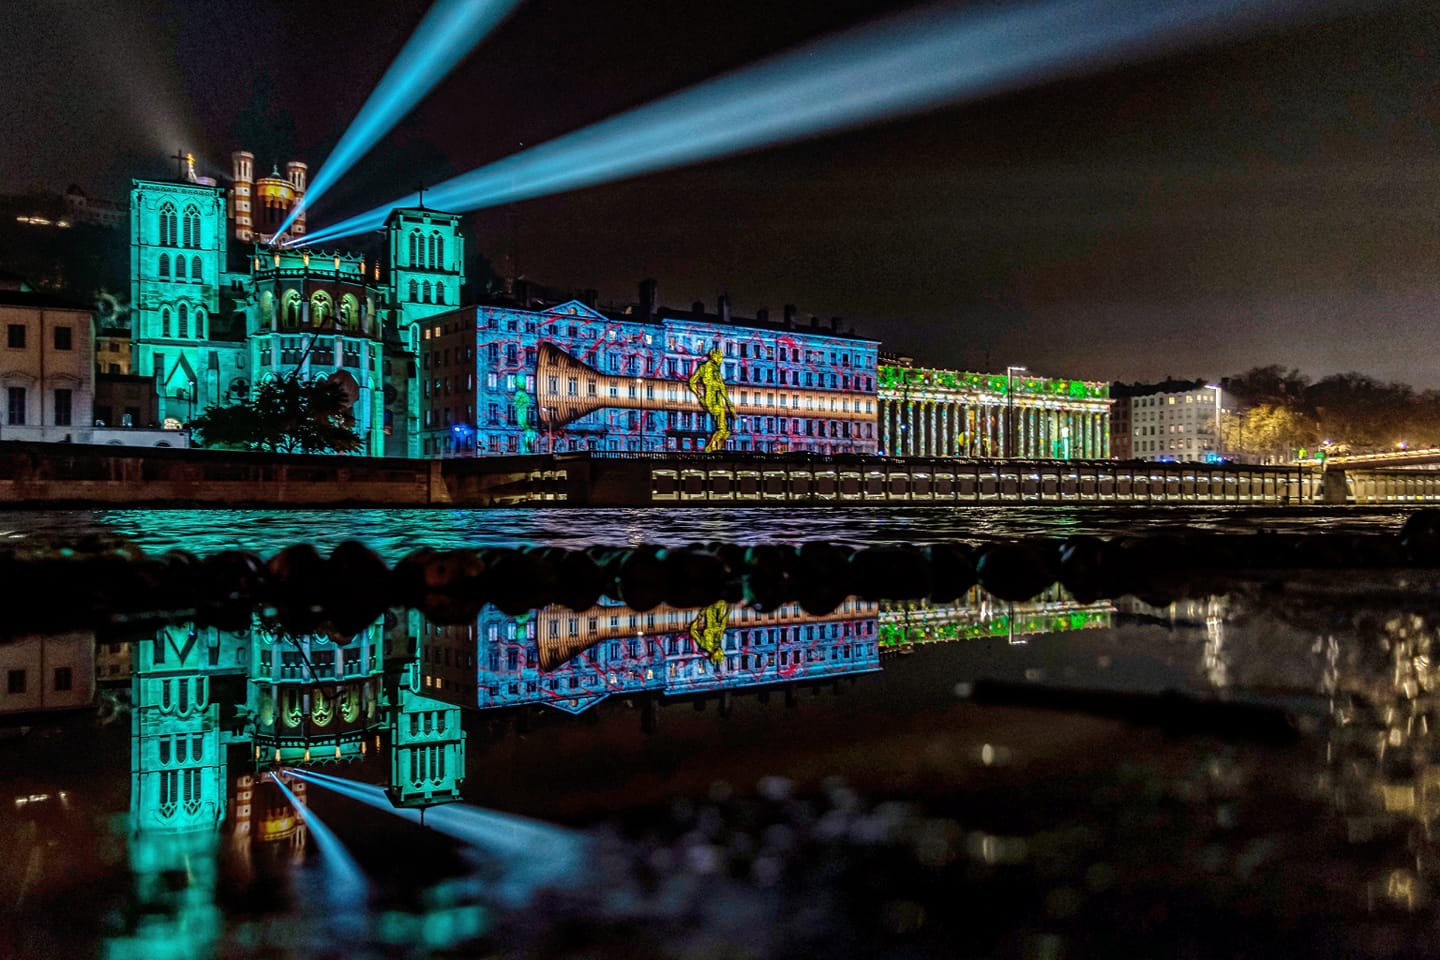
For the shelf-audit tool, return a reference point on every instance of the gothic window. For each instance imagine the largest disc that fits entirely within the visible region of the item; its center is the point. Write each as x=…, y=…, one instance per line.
x=184, y=321
x=165, y=322
x=439, y=293
x=291, y=314
x=414, y=291
x=199, y=323
x=194, y=268
x=179, y=268
x=322, y=309
x=439, y=252
x=349, y=312
x=425, y=292
x=192, y=227
x=430, y=251
x=168, y=226
x=164, y=264
x=415, y=248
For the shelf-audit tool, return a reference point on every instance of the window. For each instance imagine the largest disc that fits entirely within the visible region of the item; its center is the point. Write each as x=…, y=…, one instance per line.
x=62, y=338
x=194, y=268
x=62, y=408
x=439, y=293
x=168, y=226
x=16, y=336
x=62, y=678
x=200, y=323
x=192, y=228
x=164, y=264
x=165, y=322
x=15, y=682
x=184, y=329
x=425, y=292
x=414, y=289
x=414, y=253
x=179, y=268
x=15, y=414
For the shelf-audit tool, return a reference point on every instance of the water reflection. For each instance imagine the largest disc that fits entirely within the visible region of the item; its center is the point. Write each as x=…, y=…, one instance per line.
x=246, y=748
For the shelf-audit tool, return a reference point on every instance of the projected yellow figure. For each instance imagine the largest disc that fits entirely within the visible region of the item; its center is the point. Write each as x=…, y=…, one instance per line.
x=708, y=630
x=708, y=385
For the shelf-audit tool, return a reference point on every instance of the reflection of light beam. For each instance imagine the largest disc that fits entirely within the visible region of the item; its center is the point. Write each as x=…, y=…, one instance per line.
x=345, y=883
x=534, y=855
x=915, y=62
x=449, y=31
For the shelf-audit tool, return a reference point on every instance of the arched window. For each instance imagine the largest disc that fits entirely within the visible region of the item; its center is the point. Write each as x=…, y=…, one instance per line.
x=439, y=293
x=349, y=312
x=165, y=322
x=194, y=268
x=199, y=323
x=179, y=268
x=430, y=251
x=414, y=291
x=164, y=264
x=192, y=227
x=184, y=330
x=168, y=225
x=415, y=248
x=290, y=314
x=322, y=309
x=439, y=252
x=425, y=292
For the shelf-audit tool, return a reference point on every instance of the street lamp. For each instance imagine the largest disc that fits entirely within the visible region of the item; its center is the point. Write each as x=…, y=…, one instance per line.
x=1011, y=437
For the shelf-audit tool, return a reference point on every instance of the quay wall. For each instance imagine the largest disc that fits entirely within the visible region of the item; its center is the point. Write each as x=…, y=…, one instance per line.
x=79, y=475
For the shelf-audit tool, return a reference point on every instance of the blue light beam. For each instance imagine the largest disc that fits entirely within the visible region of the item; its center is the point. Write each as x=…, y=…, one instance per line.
x=450, y=30
x=345, y=885
x=915, y=62
x=533, y=855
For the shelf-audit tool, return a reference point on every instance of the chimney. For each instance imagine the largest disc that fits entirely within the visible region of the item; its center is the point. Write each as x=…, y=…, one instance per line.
x=722, y=307
x=763, y=315
x=647, y=300
x=698, y=308
x=834, y=324
x=789, y=316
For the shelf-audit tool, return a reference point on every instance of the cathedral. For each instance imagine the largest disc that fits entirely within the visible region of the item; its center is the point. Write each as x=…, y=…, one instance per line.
x=218, y=306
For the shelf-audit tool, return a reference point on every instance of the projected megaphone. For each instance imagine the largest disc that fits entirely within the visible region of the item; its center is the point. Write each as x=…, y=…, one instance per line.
x=567, y=389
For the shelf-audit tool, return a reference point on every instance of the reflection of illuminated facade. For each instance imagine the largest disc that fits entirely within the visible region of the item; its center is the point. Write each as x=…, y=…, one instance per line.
x=314, y=698
x=948, y=413
x=978, y=615
x=504, y=378
x=573, y=660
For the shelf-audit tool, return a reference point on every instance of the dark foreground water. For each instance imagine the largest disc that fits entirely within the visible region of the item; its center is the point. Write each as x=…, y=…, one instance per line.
x=1240, y=775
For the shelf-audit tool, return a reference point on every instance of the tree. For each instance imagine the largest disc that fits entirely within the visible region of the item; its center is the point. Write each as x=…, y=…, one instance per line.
x=285, y=416
x=1267, y=431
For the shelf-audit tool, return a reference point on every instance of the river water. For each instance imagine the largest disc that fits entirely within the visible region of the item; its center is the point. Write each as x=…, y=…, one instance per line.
x=1241, y=774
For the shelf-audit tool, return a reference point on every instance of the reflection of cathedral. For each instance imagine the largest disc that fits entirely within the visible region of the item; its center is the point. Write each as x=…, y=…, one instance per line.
x=211, y=319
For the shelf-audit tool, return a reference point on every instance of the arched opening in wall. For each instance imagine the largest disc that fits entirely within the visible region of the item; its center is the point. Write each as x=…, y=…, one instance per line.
x=164, y=264
x=192, y=226
x=168, y=225
x=179, y=268
x=267, y=310
x=414, y=291
x=322, y=309
x=349, y=312
x=195, y=272
x=200, y=323
x=184, y=329
x=165, y=322
x=438, y=259
x=414, y=248
x=290, y=309
x=425, y=292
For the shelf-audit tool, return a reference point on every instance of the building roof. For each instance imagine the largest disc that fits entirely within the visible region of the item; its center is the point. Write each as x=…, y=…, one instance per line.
x=812, y=328
x=44, y=301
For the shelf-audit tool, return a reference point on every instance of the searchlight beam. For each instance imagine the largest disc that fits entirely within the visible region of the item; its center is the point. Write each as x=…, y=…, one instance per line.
x=450, y=30
x=918, y=61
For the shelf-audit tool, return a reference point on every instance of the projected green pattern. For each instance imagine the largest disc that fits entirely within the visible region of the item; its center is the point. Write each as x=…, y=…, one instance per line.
x=903, y=378
x=896, y=631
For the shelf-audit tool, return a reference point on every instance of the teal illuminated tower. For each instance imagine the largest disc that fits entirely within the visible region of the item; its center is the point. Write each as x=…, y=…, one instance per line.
x=427, y=269
x=177, y=257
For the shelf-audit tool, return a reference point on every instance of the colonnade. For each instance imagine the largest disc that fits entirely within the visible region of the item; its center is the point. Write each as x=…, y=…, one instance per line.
x=933, y=428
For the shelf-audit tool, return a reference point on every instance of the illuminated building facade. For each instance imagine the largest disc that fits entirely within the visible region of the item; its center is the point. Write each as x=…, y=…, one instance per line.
x=1175, y=420
x=316, y=317
x=505, y=378
x=259, y=206
x=978, y=615
x=177, y=283
x=47, y=374
x=949, y=413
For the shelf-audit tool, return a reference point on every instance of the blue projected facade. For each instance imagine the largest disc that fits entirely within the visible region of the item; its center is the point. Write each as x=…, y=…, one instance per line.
x=503, y=378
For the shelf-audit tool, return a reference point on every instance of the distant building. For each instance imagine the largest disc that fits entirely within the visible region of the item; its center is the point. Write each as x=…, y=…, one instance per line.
x=259, y=206
x=1174, y=420
x=950, y=413
x=47, y=370
x=80, y=207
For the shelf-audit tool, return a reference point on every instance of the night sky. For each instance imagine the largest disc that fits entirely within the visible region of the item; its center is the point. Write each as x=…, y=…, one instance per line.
x=1271, y=199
